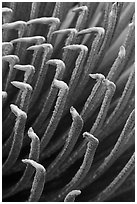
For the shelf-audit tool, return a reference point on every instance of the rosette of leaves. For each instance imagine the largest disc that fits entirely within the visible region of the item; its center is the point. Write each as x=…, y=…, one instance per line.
x=68, y=101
